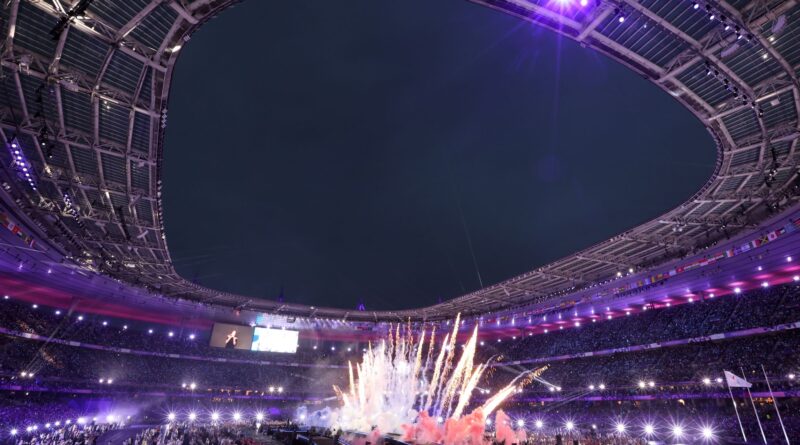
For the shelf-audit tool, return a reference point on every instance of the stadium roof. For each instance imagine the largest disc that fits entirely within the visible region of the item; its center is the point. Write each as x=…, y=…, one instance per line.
x=86, y=82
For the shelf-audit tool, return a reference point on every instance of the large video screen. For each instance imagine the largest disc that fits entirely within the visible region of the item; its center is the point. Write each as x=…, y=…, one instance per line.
x=231, y=336
x=275, y=340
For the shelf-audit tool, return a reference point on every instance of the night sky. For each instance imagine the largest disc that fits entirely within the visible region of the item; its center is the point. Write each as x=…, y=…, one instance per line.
x=403, y=152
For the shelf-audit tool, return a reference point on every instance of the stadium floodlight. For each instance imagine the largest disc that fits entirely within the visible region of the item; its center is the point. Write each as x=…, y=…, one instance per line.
x=124, y=327
x=149, y=331
x=183, y=385
x=520, y=423
x=642, y=384
x=170, y=417
x=271, y=389
x=237, y=416
x=707, y=432
x=591, y=387
x=602, y=386
x=649, y=429
x=796, y=278
x=191, y=336
x=47, y=425
x=737, y=290
x=215, y=416
x=651, y=384
x=569, y=425
x=192, y=416
x=67, y=422
x=110, y=381
x=14, y=431
x=552, y=389
x=57, y=423
x=765, y=284
x=259, y=416
x=192, y=386
x=706, y=381
x=170, y=333
x=539, y=424
x=718, y=380
x=677, y=431
x=280, y=389
x=80, y=317
x=81, y=420
x=28, y=429
x=791, y=376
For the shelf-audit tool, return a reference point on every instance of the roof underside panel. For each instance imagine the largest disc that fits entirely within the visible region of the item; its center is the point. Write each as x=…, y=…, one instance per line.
x=84, y=53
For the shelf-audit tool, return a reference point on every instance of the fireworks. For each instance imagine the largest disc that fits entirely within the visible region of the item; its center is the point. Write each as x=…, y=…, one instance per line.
x=400, y=388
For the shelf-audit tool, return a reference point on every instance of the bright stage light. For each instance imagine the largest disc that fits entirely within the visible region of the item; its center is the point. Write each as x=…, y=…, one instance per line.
x=237, y=416
x=651, y=384
x=192, y=385
x=539, y=424
x=737, y=290
x=620, y=427
x=259, y=417
x=602, y=386
x=642, y=384
x=192, y=416
x=569, y=425
x=215, y=416
x=591, y=387
x=520, y=423
x=81, y=420
x=14, y=431
x=708, y=433
x=706, y=381
x=677, y=431
x=649, y=429
x=170, y=417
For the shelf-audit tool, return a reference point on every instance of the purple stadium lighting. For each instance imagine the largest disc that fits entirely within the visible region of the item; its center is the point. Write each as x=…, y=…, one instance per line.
x=21, y=164
x=677, y=431
x=737, y=290
x=707, y=433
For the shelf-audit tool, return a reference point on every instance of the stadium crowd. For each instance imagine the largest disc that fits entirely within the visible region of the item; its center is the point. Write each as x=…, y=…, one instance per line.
x=39, y=378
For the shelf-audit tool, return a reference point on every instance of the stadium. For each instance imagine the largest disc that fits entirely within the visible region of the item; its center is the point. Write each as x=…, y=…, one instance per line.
x=680, y=330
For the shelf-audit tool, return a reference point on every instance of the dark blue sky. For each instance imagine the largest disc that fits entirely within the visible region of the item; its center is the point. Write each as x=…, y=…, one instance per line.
x=389, y=151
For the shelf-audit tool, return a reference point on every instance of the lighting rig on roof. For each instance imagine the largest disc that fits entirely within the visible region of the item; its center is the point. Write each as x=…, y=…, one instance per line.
x=63, y=22
x=20, y=163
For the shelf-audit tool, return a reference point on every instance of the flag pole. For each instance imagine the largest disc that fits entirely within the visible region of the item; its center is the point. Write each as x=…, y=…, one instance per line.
x=754, y=409
x=735, y=409
x=775, y=402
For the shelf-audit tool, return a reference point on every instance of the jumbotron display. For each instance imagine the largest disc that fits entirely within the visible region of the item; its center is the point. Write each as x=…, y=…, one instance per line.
x=275, y=340
x=231, y=336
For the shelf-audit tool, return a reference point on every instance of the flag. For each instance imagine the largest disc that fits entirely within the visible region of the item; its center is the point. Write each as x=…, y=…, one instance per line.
x=734, y=381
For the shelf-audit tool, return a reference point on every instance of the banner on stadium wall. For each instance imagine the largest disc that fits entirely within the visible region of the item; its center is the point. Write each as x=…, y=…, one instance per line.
x=16, y=229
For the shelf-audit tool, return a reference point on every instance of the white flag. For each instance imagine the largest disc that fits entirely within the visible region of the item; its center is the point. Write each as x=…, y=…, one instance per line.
x=734, y=381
